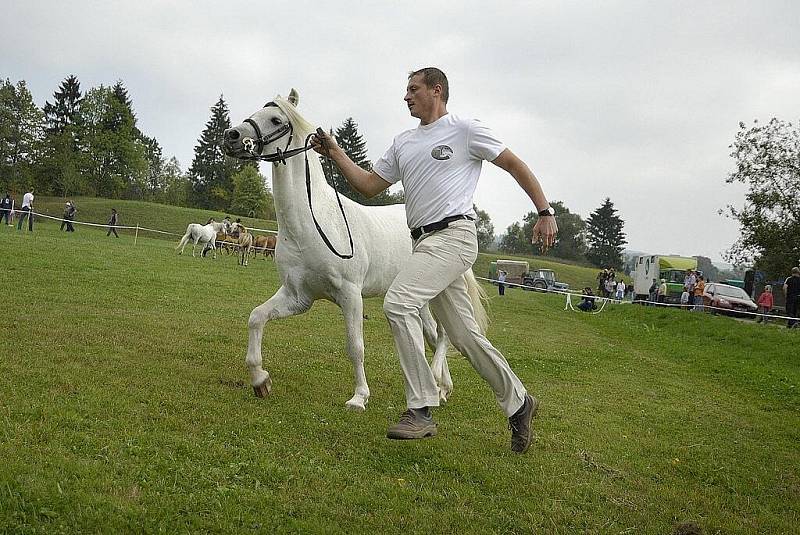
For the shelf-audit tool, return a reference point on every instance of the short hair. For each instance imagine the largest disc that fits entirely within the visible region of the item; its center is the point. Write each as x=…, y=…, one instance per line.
x=796, y=271
x=432, y=76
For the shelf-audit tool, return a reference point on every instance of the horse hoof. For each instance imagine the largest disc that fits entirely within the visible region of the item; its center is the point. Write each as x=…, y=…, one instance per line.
x=263, y=390
x=356, y=405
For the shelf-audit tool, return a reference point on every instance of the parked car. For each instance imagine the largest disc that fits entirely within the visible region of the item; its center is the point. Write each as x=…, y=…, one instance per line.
x=728, y=297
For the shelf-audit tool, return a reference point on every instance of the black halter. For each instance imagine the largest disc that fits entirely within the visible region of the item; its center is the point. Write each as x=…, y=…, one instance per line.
x=262, y=141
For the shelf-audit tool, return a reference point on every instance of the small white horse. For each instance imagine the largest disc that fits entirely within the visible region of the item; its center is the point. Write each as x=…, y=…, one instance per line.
x=309, y=270
x=204, y=234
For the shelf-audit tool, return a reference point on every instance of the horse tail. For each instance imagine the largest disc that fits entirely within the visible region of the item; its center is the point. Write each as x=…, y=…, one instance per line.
x=477, y=297
x=183, y=240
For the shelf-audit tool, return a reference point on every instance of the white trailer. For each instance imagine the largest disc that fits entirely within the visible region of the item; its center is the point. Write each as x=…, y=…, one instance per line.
x=653, y=268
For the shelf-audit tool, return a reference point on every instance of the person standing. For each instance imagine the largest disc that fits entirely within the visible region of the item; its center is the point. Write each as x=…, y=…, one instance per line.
x=791, y=289
x=439, y=163
x=5, y=208
x=652, y=293
x=27, y=209
x=699, y=289
x=765, y=303
x=501, y=282
x=620, y=290
x=69, y=216
x=662, y=291
x=112, y=223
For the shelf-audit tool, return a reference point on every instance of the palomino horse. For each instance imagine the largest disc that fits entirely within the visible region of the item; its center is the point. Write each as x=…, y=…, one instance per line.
x=244, y=242
x=205, y=234
x=308, y=268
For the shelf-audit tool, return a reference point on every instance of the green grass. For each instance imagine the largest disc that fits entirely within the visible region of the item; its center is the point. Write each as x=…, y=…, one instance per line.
x=124, y=408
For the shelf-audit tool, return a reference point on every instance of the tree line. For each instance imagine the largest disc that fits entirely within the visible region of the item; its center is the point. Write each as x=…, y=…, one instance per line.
x=599, y=239
x=88, y=143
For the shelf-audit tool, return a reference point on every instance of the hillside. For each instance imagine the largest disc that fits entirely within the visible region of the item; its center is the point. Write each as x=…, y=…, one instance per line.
x=145, y=214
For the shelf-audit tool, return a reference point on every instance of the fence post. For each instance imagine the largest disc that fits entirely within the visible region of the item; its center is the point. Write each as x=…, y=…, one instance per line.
x=136, y=236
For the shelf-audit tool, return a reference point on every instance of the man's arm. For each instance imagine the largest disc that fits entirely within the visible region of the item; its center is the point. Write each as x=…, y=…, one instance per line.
x=546, y=228
x=367, y=183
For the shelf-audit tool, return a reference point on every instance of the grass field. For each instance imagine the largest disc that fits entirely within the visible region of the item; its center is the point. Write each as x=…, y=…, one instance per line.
x=124, y=408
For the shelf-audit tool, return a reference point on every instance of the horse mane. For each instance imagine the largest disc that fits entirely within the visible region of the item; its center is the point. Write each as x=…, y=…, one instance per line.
x=300, y=124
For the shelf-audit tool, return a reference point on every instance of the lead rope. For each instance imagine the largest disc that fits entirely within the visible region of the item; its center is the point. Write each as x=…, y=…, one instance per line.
x=338, y=199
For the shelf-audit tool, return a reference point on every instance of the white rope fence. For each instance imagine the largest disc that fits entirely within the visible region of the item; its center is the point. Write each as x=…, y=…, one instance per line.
x=136, y=228
x=605, y=300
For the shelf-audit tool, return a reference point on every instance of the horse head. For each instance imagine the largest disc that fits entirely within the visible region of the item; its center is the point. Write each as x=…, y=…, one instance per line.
x=268, y=132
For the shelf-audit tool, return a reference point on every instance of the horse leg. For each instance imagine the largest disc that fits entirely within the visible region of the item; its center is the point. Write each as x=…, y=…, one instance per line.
x=439, y=343
x=281, y=305
x=353, y=309
x=195, y=246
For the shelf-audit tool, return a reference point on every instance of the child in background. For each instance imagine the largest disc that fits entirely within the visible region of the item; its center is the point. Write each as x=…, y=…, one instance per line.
x=685, y=298
x=765, y=303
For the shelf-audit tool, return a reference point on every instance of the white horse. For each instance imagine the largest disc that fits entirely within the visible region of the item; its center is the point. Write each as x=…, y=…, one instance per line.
x=308, y=268
x=205, y=234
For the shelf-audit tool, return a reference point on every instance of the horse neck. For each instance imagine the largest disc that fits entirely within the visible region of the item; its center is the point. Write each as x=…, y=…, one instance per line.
x=289, y=190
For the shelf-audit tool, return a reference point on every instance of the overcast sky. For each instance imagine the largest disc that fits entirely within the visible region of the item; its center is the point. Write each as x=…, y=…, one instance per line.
x=636, y=101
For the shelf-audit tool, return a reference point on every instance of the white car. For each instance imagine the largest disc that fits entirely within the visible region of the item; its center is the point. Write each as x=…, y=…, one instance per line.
x=728, y=297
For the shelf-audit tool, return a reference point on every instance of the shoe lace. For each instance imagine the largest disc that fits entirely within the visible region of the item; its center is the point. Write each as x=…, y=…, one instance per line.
x=407, y=417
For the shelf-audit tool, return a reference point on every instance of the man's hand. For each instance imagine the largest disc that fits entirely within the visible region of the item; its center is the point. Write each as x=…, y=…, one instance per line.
x=544, y=232
x=323, y=143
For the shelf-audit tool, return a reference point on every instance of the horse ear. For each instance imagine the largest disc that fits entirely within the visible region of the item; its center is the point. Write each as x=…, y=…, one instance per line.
x=294, y=97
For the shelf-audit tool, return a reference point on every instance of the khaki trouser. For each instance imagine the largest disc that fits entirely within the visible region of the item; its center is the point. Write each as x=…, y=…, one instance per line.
x=433, y=275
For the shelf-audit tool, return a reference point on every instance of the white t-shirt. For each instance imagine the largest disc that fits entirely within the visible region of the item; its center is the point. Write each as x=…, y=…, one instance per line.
x=620, y=286
x=27, y=200
x=439, y=165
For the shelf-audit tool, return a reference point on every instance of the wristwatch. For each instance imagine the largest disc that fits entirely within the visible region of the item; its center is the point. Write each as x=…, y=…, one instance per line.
x=547, y=212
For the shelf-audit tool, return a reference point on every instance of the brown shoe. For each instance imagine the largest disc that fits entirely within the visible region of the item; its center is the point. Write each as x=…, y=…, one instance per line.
x=520, y=425
x=412, y=425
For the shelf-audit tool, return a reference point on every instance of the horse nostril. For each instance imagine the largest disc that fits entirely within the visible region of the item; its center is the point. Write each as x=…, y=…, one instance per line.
x=233, y=135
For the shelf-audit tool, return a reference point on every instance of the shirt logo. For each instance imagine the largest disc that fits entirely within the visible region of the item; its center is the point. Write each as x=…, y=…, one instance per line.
x=442, y=152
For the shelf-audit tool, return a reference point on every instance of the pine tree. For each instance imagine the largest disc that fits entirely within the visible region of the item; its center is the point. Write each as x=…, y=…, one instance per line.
x=211, y=171
x=61, y=159
x=353, y=144
x=355, y=147
x=606, y=239
x=65, y=109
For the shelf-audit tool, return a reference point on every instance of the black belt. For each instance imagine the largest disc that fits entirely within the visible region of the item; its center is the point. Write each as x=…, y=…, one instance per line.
x=439, y=225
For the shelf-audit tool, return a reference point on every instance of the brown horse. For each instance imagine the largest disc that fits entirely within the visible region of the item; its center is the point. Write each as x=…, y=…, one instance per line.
x=265, y=244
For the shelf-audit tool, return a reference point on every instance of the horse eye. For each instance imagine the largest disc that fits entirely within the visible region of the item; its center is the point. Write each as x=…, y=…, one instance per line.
x=276, y=121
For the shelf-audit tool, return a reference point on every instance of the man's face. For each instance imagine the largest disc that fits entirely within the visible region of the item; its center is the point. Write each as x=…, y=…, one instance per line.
x=419, y=97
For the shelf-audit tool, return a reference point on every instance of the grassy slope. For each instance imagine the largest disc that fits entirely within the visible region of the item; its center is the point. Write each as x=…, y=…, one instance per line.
x=123, y=407
x=149, y=215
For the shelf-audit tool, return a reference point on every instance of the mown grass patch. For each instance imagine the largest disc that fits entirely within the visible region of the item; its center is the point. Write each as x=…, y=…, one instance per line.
x=124, y=407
